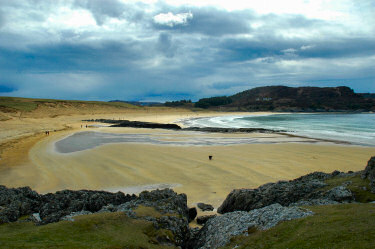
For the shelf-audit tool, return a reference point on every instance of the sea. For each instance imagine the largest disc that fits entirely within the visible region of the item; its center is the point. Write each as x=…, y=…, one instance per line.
x=353, y=128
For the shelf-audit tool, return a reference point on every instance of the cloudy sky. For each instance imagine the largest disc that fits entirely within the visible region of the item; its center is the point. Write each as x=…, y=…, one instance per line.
x=169, y=50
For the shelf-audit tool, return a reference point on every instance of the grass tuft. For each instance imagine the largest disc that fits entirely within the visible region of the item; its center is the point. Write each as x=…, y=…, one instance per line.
x=104, y=230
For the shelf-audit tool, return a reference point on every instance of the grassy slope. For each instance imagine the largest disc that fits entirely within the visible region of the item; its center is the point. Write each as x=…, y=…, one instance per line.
x=332, y=226
x=105, y=230
x=26, y=105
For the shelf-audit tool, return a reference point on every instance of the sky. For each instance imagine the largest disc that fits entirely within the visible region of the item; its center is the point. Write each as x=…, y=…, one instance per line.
x=170, y=50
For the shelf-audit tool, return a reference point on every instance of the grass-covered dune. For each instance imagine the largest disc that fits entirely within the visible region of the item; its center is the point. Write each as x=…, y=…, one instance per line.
x=29, y=104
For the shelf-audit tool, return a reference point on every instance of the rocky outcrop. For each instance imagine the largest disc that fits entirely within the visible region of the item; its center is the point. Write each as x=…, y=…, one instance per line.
x=282, y=192
x=369, y=173
x=304, y=189
x=55, y=206
x=218, y=231
x=201, y=220
x=139, y=124
x=205, y=207
x=172, y=207
x=16, y=202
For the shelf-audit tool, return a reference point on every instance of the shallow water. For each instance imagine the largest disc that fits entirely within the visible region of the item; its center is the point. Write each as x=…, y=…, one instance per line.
x=90, y=139
x=356, y=128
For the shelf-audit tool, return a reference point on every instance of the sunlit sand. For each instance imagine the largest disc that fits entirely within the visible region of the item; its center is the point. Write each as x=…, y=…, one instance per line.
x=133, y=167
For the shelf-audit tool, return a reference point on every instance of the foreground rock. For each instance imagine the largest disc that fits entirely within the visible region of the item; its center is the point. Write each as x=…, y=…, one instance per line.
x=201, y=220
x=17, y=202
x=218, y=231
x=55, y=206
x=172, y=213
x=205, y=207
x=305, y=188
x=369, y=173
x=164, y=208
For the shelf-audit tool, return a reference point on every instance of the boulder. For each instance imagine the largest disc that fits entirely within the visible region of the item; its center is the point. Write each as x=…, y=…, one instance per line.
x=201, y=220
x=17, y=202
x=339, y=194
x=205, y=207
x=173, y=209
x=369, y=173
x=282, y=192
x=219, y=230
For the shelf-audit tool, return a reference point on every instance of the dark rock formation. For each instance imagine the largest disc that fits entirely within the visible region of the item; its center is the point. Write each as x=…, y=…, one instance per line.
x=139, y=124
x=203, y=219
x=55, y=206
x=136, y=124
x=16, y=202
x=369, y=173
x=192, y=213
x=172, y=206
x=205, y=207
x=285, y=193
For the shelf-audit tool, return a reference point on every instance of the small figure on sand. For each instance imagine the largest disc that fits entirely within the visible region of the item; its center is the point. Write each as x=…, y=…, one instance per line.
x=210, y=157
x=86, y=126
x=47, y=133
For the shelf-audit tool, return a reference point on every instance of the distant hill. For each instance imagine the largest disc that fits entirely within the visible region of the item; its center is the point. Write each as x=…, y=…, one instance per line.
x=283, y=98
x=368, y=95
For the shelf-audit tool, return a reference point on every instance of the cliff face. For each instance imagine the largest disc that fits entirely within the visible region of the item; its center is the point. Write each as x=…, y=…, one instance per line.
x=301, y=99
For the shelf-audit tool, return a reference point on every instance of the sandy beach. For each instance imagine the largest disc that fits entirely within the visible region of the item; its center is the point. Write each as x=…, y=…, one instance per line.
x=133, y=167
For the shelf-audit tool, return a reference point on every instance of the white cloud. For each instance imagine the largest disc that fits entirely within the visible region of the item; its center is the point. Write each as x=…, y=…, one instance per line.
x=306, y=47
x=289, y=51
x=170, y=19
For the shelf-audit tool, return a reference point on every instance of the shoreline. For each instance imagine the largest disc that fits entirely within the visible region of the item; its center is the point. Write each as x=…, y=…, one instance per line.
x=127, y=166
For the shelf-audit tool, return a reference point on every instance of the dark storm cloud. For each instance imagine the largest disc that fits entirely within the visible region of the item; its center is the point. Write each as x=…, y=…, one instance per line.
x=210, y=52
x=165, y=44
x=102, y=9
x=6, y=89
x=346, y=47
x=104, y=56
x=280, y=48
